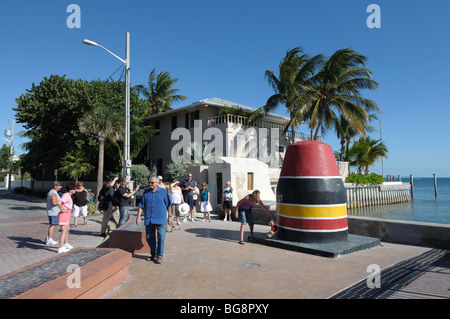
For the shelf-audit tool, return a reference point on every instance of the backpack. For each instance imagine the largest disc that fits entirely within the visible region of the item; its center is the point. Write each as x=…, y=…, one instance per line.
x=116, y=198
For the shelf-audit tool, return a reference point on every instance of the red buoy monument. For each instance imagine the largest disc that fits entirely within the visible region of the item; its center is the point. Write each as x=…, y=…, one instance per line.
x=311, y=213
x=311, y=197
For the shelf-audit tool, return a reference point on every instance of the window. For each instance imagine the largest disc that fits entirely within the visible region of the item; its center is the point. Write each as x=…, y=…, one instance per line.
x=250, y=181
x=174, y=122
x=190, y=118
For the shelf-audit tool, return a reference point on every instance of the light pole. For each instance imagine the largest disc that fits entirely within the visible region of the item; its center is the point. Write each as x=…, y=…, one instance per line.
x=126, y=141
x=10, y=133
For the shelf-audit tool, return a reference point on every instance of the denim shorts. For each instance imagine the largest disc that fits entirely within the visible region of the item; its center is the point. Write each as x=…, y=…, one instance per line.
x=246, y=215
x=53, y=220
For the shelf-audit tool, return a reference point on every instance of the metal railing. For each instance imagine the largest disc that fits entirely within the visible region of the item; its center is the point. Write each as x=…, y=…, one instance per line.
x=243, y=120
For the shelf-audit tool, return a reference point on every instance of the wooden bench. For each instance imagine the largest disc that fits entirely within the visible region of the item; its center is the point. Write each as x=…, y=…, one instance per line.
x=130, y=237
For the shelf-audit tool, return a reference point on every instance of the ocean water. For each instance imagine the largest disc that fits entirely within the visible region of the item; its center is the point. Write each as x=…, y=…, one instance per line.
x=425, y=207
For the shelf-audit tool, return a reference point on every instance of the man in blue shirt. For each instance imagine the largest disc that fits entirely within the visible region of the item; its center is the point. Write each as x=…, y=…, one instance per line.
x=156, y=204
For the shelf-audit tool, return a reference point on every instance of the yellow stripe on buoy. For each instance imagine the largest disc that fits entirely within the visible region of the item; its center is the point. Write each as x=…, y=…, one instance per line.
x=314, y=211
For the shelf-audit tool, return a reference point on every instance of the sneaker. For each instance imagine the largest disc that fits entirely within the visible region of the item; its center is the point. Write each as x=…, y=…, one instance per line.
x=62, y=250
x=50, y=242
x=184, y=220
x=225, y=219
x=69, y=247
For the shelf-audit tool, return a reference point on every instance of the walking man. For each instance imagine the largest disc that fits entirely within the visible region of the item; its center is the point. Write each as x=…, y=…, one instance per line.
x=156, y=204
x=105, y=204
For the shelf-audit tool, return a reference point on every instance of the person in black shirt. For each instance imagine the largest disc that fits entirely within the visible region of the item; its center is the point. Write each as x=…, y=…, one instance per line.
x=80, y=200
x=188, y=187
x=124, y=194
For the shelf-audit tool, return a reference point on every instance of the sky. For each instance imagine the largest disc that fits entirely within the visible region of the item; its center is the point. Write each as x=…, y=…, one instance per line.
x=222, y=49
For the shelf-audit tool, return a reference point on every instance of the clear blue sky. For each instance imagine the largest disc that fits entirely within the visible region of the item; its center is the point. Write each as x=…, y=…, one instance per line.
x=222, y=48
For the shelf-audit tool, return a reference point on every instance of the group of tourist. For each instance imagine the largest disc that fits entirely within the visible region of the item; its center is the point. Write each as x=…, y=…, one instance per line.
x=158, y=205
x=113, y=198
x=59, y=210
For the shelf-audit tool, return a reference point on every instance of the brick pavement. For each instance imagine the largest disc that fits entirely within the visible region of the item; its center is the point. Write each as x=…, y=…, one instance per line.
x=23, y=228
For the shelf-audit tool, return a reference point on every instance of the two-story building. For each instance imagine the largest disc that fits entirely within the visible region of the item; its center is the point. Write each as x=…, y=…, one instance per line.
x=213, y=131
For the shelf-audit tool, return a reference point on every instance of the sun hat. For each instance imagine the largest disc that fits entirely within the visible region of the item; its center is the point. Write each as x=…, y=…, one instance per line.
x=184, y=209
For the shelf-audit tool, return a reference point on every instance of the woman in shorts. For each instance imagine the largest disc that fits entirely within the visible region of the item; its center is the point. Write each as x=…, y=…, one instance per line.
x=244, y=208
x=205, y=206
x=65, y=205
x=176, y=197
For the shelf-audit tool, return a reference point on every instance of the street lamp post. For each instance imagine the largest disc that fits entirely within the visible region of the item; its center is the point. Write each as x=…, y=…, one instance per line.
x=126, y=141
x=10, y=133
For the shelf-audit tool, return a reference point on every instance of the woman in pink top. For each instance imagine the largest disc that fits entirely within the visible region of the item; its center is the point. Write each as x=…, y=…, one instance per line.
x=244, y=208
x=65, y=205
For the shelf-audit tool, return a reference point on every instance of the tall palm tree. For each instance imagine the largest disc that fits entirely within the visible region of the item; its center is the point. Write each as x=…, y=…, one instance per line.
x=338, y=84
x=291, y=86
x=366, y=152
x=75, y=164
x=102, y=121
x=160, y=93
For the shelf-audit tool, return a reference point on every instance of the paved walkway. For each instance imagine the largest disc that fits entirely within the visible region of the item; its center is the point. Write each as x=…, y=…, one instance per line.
x=203, y=260
x=24, y=226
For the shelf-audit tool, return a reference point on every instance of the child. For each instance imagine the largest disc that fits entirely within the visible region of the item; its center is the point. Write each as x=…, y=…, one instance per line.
x=205, y=206
x=65, y=205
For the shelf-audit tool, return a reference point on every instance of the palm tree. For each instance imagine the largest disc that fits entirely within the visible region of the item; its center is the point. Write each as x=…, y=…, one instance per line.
x=292, y=86
x=102, y=121
x=345, y=132
x=366, y=152
x=338, y=84
x=75, y=164
x=160, y=93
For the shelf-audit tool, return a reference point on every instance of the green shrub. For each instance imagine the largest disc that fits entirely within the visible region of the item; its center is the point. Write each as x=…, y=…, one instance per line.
x=174, y=170
x=141, y=174
x=363, y=179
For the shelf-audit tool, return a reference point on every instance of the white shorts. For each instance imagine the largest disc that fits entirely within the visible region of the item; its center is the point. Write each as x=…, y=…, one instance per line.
x=205, y=207
x=77, y=210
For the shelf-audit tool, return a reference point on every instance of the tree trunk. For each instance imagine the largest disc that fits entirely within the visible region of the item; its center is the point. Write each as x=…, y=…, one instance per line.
x=101, y=155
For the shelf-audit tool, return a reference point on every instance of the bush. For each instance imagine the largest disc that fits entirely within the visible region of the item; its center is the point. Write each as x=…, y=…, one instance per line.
x=363, y=179
x=174, y=170
x=141, y=174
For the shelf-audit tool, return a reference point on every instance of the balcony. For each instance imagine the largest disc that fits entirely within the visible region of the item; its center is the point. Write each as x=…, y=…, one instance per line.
x=243, y=121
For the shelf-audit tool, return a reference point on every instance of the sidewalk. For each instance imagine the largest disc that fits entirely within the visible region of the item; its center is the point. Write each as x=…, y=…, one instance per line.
x=203, y=260
x=24, y=226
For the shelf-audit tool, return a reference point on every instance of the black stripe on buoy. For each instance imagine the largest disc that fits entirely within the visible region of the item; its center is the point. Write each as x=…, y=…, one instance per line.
x=311, y=191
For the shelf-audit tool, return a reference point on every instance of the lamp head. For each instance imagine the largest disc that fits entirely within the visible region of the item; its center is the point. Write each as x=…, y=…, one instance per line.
x=89, y=42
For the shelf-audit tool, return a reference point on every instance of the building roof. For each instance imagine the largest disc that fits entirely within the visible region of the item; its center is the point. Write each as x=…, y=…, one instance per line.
x=221, y=103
